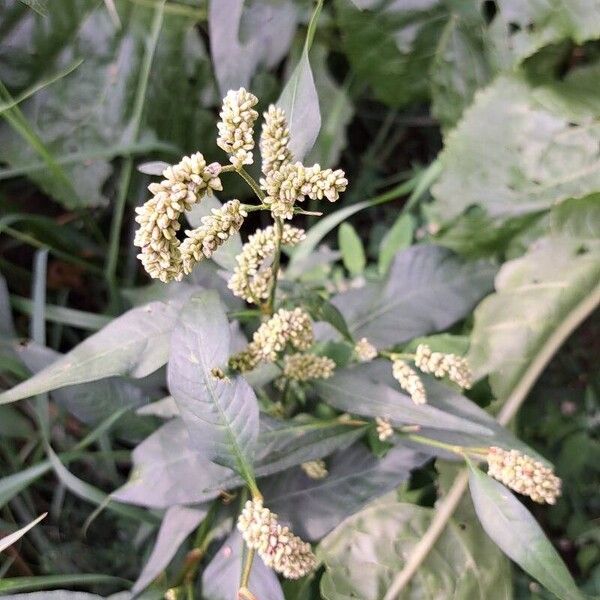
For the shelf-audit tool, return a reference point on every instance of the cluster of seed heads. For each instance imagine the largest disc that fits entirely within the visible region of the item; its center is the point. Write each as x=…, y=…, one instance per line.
x=384, y=428
x=274, y=140
x=278, y=547
x=364, y=350
x=315, y=469
x=236, y=127
x=523, y=474
x=184, y=184
x=293, y=182
x=452, y=366
x=252, y=276
x=409, y=380
x=216, y=228
x=291, y=328
x=304, y=367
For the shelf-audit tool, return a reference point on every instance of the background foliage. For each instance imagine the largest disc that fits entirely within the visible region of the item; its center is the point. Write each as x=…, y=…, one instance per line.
x=470, y=134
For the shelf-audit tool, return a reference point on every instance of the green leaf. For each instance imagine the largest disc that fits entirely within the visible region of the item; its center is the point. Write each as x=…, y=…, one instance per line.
x=220, y=412
x=549, y=289
x=177, y=524
x=9, y=540
x=39, y=6
x=351, y=246
x=134, y=344
x=300, y=100
x=397, y=238
x=459, y=68
x=80, y=119
x=363, y=390
x=323, y=310
x=519, y=29
x=366, y=551
x=221, y=578
x=21, y=584
x=522, y=149
x=169, y=470
x=427, y=289
x=391, y=46
x=512, y=527
x=315, y=507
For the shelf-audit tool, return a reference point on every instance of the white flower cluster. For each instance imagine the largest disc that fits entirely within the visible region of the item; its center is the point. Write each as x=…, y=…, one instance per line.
x=252, y=276
x=409, y=380
x=183, y=185
x=304, y=367
x=455, y=367
x=274, y=140
x=523, y=474
x=278, y=547
x=292, y=327
x=236, y=126
x=384, y=428
x=364, y=350
x=293, y=182
x=216, y=228
x=315, y=469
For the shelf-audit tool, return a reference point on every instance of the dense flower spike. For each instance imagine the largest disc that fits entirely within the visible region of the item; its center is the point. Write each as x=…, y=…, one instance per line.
x=409, y=380
x=252, y=276
x=274, y=140
x=315, y=469
x=384, y=428
x=278, y=547
x=524, y=475
x=216, y=228
x=291, y=183
x=364, y=350
x=236, y=126
x=455, y=367
x=183, y=185
x=304, y=367
x=292, y=327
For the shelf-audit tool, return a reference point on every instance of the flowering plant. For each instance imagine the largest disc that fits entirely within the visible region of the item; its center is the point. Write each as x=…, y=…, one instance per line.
x=294, y=421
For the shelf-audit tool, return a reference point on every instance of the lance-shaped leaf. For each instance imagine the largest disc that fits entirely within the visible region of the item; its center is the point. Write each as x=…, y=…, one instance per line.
x=359, y=391
x=134, y=344
x=356, y=476
x=427, y=289
x=513, y=528
x=220, y=412
x=178, y=523
x=221, y=578
x=364, y=554
x=169, y=470
x=9, y=540
x=539, y=297
x=300, y=100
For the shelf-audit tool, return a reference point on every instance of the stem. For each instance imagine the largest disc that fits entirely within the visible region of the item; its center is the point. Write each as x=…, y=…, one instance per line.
x=251, y=182
x=511, y=406
x=112, y=256
x=442, y=515
x=247, y=568
x=460, y=450
x=275, y=265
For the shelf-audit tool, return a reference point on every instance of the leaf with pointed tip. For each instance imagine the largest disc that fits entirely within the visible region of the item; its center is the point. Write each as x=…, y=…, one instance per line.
x=177, y=524
x=220, y=412
x=427, y=289
x=9, y=540
x=134, y=344
x=513, y=528
x=221, y=578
